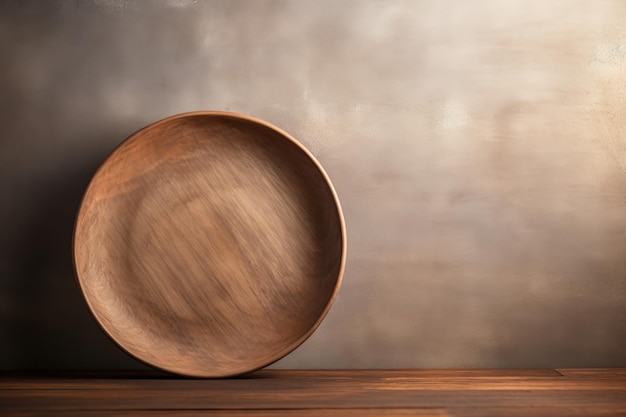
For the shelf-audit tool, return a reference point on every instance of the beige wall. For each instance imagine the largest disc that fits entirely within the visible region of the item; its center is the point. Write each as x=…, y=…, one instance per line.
x=478, y=149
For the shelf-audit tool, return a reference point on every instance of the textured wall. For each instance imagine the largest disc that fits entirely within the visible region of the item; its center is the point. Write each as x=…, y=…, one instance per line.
x=478, y=148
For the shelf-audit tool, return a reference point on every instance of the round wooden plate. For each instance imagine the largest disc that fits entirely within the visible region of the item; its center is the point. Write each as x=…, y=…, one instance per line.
x=210, y=244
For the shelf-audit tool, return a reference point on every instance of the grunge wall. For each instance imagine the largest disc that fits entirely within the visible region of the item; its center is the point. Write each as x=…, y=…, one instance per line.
x=478, y=149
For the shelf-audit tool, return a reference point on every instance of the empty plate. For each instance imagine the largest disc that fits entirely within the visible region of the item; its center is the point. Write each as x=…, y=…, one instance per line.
x=210, y=244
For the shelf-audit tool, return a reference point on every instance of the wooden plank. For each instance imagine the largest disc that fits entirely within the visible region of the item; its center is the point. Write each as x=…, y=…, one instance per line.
x=280, y=382
x=392, y=373
x=593, y=372
x=108, y=380
x=359, y=412
x=461, y=392
x=547, y=411
x=467, y=384
x=318, y=412
x=289, y=374
x=298, y=398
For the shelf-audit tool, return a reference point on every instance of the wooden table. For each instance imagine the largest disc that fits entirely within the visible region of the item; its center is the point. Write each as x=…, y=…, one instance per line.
x=495, y=392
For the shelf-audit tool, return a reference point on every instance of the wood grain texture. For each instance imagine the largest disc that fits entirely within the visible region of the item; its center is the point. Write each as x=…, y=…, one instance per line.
x=210, y=244
x=319, y=412
x=461, y=393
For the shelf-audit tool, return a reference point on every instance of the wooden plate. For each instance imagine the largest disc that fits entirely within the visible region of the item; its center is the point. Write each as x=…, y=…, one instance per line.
x=210, y=244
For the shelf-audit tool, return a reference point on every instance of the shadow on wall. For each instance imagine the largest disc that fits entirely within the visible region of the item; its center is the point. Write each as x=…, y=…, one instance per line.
x=47, y=322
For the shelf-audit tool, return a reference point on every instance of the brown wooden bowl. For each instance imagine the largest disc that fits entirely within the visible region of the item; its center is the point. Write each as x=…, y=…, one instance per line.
x=210, y=244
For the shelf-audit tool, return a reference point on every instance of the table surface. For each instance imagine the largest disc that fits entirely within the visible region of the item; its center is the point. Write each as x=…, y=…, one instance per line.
x=493, y=392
